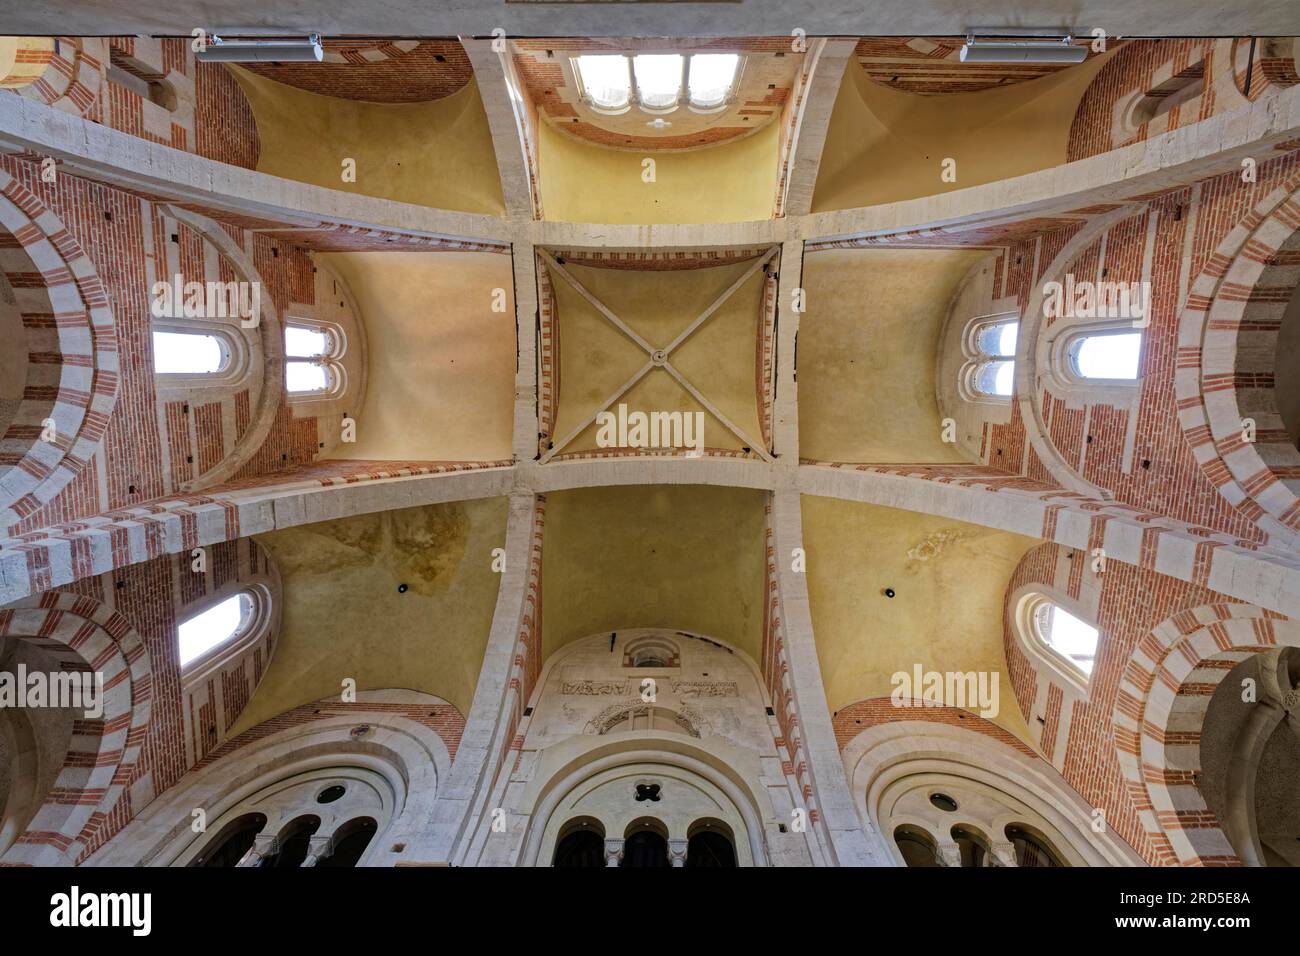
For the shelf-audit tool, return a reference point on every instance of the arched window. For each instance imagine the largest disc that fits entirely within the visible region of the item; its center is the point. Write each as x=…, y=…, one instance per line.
x=645, y=845
x=217, y=631
x=917, y=848
x=658, y=80
x=972, y=846
x=350, y=841
x=581, y=844
x=1159, y=100
x=294, y=844
x=710, y=79
x=651, y=651
x=214, y=628
x=1110, y=355
x=1066, y=635
x=189, y=353
x=1031, y=849
x=710, y=845
x=230, y=844
x=312, y=352
x=990, y=369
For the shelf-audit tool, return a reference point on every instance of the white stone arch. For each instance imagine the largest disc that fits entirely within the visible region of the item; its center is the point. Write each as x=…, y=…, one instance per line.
x=408, y=755
x=886, y=755
x=582, y=762
x=258, y=360
x=1034, y=360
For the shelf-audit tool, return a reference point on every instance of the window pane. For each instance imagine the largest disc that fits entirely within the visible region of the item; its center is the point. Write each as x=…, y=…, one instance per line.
x=998, y=339
x=1067, y=635
x=605, y=78
x=711, y=76
x=658, y=79
x=306, y=377
x=303, y=342
x=214, y=627
x=186, y=353
x=1108, y=356
x=1006, y=343
x=996, y=378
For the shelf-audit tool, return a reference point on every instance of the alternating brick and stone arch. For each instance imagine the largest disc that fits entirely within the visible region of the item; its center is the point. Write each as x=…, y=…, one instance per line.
x=1159, y=756
x=73, y=76
x=101, y=763
x=71, y=368
x=1228, y=357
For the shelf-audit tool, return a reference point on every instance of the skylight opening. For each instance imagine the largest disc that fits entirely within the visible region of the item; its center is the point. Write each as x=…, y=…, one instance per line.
x=218, y=625
x=187, y=353
x=711, y=78
x=1111, y=356
x=658, y=79
x=302, y=377
x=302, y=342
x=606, y=80
x=1068, y=636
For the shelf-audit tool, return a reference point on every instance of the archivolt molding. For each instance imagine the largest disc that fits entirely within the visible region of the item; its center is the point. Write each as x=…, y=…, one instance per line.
x=1154, y=761
x=1034, y=371
x=589, y=757
x=883, y=755
x=1220, y=381
x=410, y=756
x=264, y=343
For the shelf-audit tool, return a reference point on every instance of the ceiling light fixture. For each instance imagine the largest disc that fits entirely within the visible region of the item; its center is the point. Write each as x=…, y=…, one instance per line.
x=277, y=49
x=1033, y=46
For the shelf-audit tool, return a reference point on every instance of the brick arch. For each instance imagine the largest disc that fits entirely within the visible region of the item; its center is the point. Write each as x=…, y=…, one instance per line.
x=103, y=755
x=72, y=371
x=73, y=77
x=1226, y=358
x=1182, y=829
x=1274, y=65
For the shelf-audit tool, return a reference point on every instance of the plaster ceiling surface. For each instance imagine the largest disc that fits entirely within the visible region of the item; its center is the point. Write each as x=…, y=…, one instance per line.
x=685, y=557
x=441, y=362
x=867, y=347
x=345, y=618
x=643, y=18
x=768, y=71
x=718, y=359
x=378, y=71
x=950, y=580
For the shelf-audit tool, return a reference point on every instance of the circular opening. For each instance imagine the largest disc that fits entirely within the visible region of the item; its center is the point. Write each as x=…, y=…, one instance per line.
x=944, y=802
x=330, y=794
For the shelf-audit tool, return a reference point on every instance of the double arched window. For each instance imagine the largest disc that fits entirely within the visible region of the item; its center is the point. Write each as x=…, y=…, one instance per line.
x=313, y=359
x=990, y=347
